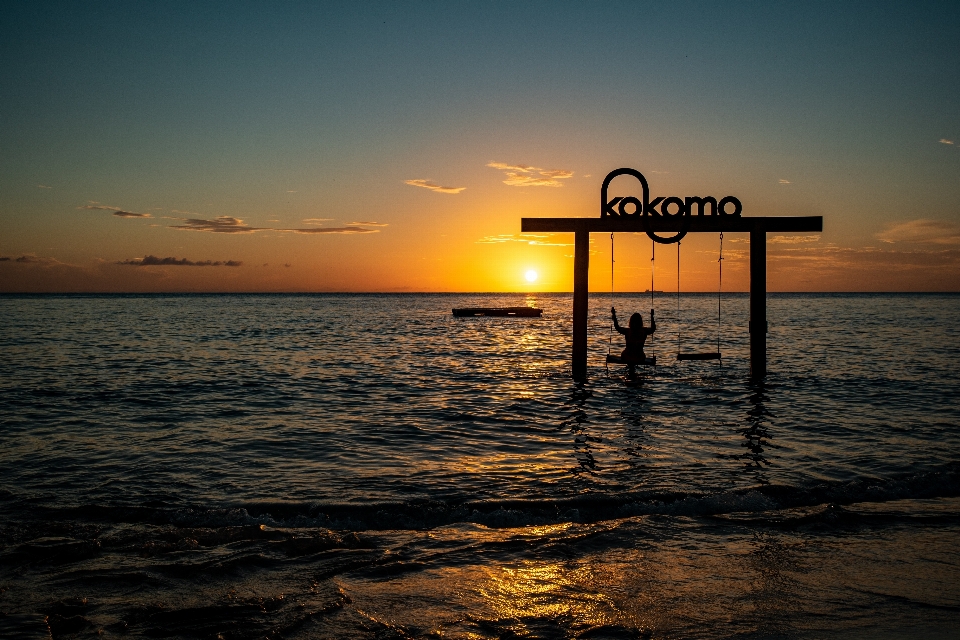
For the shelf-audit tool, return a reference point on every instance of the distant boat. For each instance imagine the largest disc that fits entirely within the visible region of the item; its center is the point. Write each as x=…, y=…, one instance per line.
x=516, y=312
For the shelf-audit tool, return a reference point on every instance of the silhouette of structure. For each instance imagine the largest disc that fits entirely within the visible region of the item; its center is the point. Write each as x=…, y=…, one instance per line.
x=671, y=215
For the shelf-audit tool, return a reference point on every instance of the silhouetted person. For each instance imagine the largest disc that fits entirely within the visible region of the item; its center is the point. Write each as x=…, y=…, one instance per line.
x=636, y=335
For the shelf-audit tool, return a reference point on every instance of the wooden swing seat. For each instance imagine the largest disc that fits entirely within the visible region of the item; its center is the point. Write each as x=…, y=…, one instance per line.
x=648, y=362
x=699, y=356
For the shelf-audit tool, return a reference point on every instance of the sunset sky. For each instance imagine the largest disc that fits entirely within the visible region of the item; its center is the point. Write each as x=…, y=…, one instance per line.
x=395, y=146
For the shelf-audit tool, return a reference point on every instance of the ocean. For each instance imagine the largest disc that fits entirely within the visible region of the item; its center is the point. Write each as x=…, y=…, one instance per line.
x=369, y=466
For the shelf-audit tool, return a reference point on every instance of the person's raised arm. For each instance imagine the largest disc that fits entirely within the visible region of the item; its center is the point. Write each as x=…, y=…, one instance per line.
x=616, y=325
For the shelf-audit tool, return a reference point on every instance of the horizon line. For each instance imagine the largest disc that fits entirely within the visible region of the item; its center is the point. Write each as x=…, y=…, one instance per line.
x=597, y=293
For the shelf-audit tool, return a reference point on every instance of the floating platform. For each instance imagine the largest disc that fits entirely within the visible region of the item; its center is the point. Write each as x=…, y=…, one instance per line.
x=510, y=312
x=647, y=362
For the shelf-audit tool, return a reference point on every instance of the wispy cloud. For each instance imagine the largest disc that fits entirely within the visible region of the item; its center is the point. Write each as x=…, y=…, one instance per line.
x=945, y=141
x=782, y=181
x=529, y=239
x=921, y=231
x=316, y=220
x=793, y=239
x=32, y=258
x=331, y=230
x=43, y=186
x=227, y=224
x=130, y=214
x=432, y=186
x=371, y=224
x=96, y=205
x=154, y=261
x=220, y=224
x=117, y=211
x=521, y=175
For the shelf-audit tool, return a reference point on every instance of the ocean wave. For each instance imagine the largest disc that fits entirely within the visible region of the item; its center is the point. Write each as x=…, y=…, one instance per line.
x=240, y=519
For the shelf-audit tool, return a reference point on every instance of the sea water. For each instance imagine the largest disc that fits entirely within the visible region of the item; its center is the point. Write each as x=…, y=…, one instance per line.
x=369, y=466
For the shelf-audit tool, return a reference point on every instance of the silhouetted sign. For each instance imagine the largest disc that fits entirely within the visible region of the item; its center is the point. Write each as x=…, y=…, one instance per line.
x=667, y=207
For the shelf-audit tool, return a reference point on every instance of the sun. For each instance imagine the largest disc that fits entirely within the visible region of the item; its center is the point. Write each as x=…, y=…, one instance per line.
x=531, y=275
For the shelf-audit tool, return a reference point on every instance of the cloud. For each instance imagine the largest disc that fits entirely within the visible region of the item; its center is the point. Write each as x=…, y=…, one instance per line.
x=945, y=141
x=97, y=205
x=372, y=224
x=782, y=181
x=43, y=186
x=503, y=166
x=227, y=224
x=130, y=214
x=836, y=257
x=220, y=224
x=32, y=258
x=520, y=175
x=332, y=230
x=921, y=231
x=793, y=239
x=316, y=220
x=154, y=261
x=427, y=184
x=117, y=211
x=529, y=239
x=4, y=258
x=560, y=174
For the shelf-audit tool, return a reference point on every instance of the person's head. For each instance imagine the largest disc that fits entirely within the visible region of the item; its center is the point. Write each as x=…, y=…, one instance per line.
x=636, y=321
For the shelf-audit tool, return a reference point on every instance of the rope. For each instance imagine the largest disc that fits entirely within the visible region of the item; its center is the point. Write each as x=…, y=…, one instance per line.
x=653, y=256
x=653, y=264
x=610, y=336
x=678, y=297
x=719, y=290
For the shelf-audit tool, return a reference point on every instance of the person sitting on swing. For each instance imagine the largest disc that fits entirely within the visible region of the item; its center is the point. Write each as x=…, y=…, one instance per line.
x=635, y=335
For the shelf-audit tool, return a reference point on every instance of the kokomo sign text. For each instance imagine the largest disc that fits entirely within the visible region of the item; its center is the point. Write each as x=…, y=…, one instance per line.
x=671, y=207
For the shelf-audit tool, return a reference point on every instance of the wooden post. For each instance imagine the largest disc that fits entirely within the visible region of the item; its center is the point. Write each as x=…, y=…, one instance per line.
x=758, y=304
x=581, y=268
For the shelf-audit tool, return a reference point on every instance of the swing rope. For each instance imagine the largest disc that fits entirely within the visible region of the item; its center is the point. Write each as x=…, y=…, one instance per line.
x=719, y=290
x=678, y=299
x=653, y=264
x=610, y=337
x=702, y=356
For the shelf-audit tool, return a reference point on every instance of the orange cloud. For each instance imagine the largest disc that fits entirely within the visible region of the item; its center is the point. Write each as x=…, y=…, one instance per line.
x=519, y=175
x=921, y=231
x=331, y=230
x=427, y=184
x=793, y=239
x=528, y=239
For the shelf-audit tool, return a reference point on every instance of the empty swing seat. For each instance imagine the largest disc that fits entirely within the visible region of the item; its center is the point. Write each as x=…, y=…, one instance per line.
x=699, y=356
x=648, y=362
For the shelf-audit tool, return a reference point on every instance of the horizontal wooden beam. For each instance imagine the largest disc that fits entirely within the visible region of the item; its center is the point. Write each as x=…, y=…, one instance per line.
x=698, y=224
